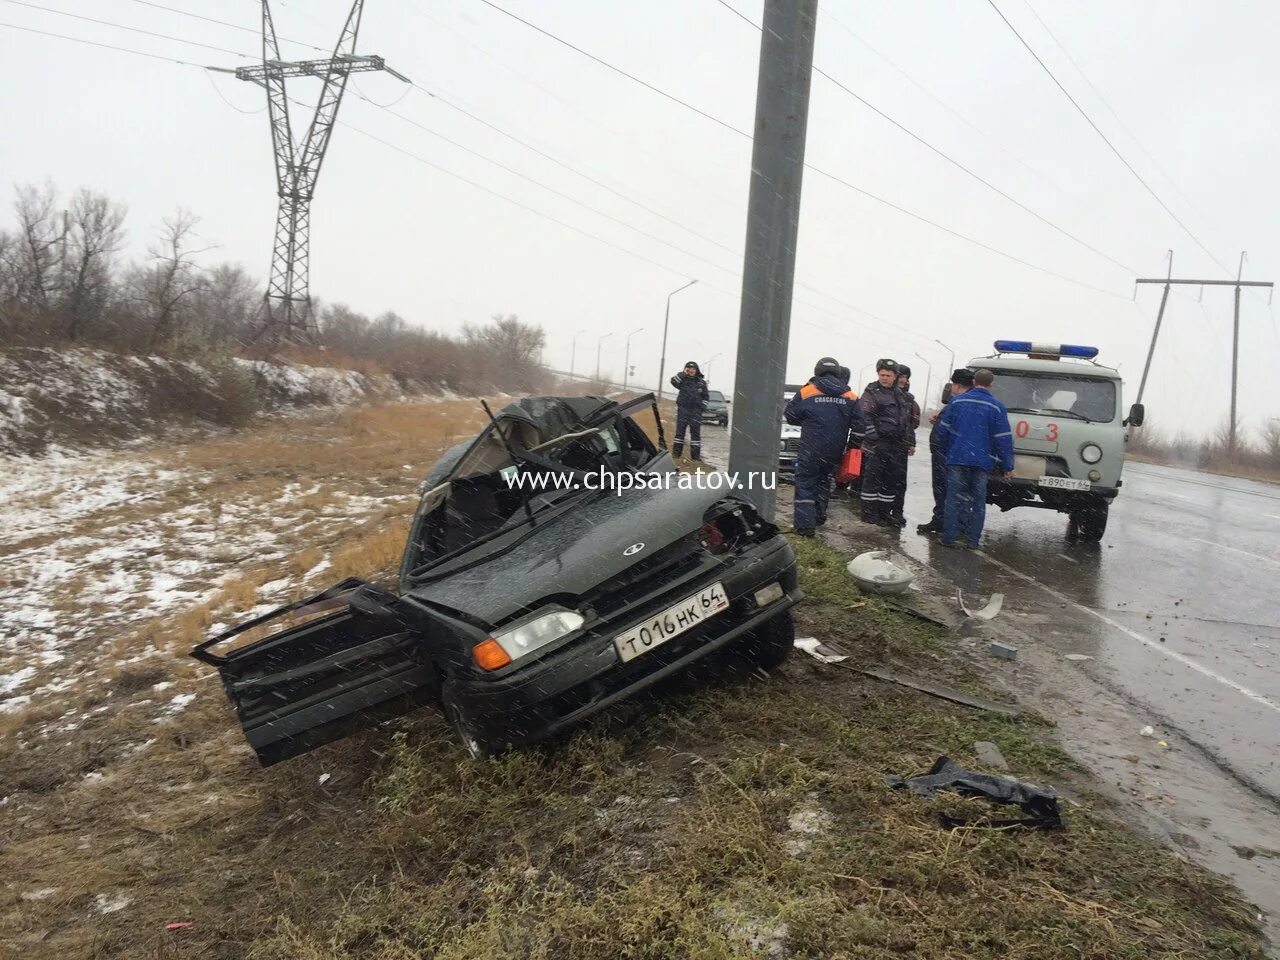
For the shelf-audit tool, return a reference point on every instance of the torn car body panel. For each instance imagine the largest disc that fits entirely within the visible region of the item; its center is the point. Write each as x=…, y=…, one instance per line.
x=514, y=597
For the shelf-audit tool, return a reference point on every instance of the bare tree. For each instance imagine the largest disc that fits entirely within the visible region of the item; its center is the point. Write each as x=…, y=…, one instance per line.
x=94, y=233
x=41, y=246
x=226, y=303
x=511, y=347
x=171, y=280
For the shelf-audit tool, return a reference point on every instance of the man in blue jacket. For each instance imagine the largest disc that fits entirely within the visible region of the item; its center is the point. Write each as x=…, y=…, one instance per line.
x=977, y=426
x=824, y=409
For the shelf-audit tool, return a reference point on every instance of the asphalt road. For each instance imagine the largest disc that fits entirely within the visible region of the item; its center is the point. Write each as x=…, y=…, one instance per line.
x=1179, y=606
x=1171, y=622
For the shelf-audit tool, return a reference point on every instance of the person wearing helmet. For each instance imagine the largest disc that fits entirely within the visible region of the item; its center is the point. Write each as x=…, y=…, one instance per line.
x=939, y=440
x=888, y=440
x=900, y=465
x=691, y=397
x=824, y=409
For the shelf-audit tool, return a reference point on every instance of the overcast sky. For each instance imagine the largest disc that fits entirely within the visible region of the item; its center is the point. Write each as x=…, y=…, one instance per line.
x=1192, y=86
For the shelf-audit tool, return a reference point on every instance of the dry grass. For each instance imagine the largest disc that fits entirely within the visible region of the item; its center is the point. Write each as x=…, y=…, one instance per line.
x=662, y=829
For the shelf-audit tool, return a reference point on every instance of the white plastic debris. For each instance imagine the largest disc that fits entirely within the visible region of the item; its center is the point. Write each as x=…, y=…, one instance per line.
x=986, y=613
x=810, y=646
x=1078, y=657
x=1147, y=732
x=324, y=778
x=874, y=572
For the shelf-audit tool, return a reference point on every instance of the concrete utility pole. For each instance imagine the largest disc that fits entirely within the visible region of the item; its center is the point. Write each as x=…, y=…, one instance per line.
x=1235, y=340
x=287, y=305
x=666, y=318
x=773, y=222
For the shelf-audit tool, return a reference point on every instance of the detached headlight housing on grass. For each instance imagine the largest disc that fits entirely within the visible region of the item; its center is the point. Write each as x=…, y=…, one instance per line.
x=546, y=626
x=1091, y=453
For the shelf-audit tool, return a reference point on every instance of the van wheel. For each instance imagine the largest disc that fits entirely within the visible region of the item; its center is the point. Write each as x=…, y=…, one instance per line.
x=769, y=644
x=1089, y=523
x=476, y=745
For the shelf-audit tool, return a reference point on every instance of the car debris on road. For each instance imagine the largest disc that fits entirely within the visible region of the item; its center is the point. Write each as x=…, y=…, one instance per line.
x=529, y=598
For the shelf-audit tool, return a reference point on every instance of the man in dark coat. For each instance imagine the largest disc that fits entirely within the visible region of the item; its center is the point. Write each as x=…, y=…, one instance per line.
x=939, y=440
x=896, y=515
x=691, y=397
x=824, y=409
x=887, y=441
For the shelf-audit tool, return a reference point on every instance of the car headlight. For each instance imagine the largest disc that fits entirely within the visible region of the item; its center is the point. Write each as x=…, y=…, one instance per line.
x=1091, y=453
x=524, y=638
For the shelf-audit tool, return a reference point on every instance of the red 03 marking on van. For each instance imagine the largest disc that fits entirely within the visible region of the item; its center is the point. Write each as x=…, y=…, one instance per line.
x=1022, y=430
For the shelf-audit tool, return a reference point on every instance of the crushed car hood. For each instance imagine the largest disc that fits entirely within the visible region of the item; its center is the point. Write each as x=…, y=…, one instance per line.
x=573, y=552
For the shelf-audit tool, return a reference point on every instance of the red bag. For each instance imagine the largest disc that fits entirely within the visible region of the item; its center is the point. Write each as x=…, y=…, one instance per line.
x=850, y=466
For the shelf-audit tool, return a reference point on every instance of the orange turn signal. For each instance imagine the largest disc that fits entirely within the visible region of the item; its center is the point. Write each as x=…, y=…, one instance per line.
x=489, y=655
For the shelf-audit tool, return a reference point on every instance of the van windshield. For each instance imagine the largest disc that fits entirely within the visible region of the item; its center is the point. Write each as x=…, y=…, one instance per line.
x=1052, y=394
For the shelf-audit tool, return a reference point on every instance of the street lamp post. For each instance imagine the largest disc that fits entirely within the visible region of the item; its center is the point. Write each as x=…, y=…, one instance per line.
x=662, y=361
x=573, y=352
x=928, y=379
x=626, y=364
x=603, y=338
x=951, y=361
x=707, y=367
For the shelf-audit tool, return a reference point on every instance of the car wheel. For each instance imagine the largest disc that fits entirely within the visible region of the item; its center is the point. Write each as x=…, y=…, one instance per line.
x=1089, y=523
x=477, y=746
x=769, y=644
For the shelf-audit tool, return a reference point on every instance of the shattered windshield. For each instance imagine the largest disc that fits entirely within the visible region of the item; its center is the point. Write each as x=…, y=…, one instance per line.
x=518, y=470
x=1052, y=394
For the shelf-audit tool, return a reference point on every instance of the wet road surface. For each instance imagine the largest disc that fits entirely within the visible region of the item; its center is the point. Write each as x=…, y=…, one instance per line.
x=1179, y=610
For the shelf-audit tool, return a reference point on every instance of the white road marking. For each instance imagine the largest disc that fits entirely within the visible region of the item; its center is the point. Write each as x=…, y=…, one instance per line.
x=1068, y=559
x=1145, y=641
x=1273, y=516
x=1223, y=546
x=1170, y=493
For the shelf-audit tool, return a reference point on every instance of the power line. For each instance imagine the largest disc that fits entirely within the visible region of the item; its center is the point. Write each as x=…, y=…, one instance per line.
x=1096, y=129
x=809, y=166
x=947, y=107
x=630, y=226
x=942, y=153
x=616, y=69
x=120, y=26
x=105, y=46
x=224, y=23
x=1098, y=93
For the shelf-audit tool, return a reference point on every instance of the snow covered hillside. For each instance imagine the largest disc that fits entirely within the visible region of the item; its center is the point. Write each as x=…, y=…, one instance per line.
x=85, y=398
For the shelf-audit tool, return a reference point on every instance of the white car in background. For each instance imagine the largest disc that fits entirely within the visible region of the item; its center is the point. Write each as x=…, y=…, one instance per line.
x=789, y=440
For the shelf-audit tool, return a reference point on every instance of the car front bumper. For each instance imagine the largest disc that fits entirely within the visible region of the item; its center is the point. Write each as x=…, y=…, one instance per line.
x=566, y=687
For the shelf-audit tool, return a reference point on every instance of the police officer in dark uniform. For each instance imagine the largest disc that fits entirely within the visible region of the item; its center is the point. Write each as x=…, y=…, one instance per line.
x=887, y=441
x=824, y=409
x=939, y=440
x=691, y=397
x=900, y=494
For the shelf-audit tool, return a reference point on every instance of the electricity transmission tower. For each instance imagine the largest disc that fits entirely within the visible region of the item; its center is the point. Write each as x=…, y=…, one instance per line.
x=286, y=313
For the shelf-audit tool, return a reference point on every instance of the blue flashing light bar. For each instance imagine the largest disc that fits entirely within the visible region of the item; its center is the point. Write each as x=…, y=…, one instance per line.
x=1046, y=349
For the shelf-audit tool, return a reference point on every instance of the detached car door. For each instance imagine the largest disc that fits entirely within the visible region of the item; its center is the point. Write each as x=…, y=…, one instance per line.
x=359, y=663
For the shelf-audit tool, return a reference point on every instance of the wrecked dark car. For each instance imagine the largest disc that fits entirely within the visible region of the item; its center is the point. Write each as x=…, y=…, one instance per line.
x=532, y=593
